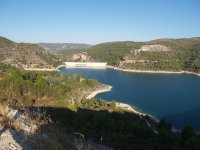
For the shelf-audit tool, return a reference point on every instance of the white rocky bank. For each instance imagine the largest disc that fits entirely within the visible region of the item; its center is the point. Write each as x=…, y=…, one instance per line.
x=10, y=139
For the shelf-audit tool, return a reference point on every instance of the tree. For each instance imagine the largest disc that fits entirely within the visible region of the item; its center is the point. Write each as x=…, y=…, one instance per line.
x=193, y=143
x=187, y=133
x=164, y=124
x=103, y=103
x=113, y=104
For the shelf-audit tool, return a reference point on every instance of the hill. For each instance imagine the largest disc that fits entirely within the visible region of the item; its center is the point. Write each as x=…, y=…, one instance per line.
x=160, y=54
x=47, y=88
x=182, y=54
x=112, y=52
x=25, y=55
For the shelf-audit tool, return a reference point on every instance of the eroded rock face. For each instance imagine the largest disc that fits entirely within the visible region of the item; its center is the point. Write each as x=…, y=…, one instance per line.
x=153, y=48
x=83, y=57
x=135, y=57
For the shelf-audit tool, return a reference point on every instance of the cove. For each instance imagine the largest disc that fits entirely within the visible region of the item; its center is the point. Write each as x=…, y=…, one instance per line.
x=174, y=97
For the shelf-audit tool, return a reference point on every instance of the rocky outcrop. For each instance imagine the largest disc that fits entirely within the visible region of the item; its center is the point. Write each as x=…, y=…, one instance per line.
x=14, y=127
x=134, y=55
x=82, y=57
x=152, y=48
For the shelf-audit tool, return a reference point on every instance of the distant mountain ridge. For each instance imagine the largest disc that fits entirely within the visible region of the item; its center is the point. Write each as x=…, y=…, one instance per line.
x=61, y=46
x=25, y=55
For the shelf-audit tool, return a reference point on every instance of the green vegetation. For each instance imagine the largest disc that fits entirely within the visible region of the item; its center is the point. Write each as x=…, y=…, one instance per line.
x=45, y=88
x=174, y=60
x=5, y=42
x=171, y=61
x=184, y=54
x=112, y=52
x=192, y=62
x=113, y=104
x=97, y=104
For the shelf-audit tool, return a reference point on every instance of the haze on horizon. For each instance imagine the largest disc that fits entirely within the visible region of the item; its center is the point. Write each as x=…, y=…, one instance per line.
x=100, y=21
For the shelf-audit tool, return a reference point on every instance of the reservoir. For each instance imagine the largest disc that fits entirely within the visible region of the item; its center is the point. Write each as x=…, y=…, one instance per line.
x=174, y=97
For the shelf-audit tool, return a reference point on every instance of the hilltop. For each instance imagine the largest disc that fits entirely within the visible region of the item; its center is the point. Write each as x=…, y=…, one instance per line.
x=25, y=55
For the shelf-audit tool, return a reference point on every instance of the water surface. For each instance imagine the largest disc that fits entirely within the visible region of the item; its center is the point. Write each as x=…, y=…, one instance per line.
x=175, y=97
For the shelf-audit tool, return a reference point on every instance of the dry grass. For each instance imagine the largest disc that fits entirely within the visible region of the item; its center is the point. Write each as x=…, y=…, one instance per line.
x=2, y=110
x=4, y=121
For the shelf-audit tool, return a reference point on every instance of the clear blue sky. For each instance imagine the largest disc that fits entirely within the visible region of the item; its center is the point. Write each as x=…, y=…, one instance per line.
x=96, y=21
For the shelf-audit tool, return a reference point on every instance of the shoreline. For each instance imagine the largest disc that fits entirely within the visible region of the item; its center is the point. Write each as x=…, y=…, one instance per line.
x=139, y=71
x=39, y=69
x=129, y=108
x=124, y=106
x=96, y=92
x=153, y=71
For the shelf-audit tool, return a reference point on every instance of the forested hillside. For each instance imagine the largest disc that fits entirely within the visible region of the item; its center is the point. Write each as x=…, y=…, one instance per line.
x=43, y=88
x=112, y=52
x=182, y=54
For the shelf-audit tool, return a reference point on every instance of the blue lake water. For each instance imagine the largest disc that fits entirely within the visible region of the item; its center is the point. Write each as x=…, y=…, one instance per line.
x=175, y=97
